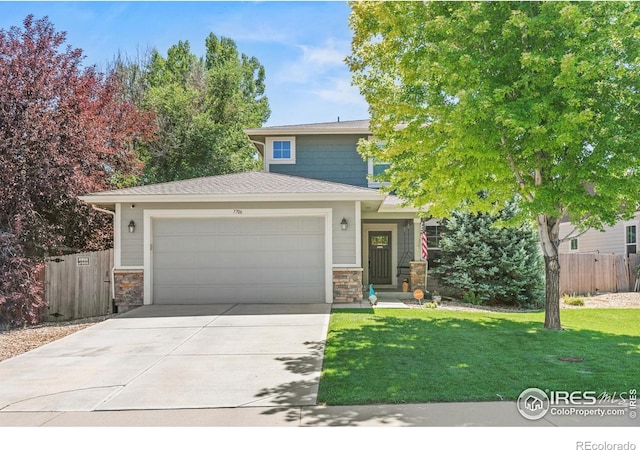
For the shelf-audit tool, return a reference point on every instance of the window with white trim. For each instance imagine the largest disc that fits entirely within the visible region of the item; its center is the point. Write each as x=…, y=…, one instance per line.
x=435, y=233
x=281, y=150
x=631, y=239
x=574, y=244
x=376, y=168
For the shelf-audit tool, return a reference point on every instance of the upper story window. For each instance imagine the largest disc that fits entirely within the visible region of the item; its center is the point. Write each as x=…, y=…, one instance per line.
x=376, y=168
x=281, y=150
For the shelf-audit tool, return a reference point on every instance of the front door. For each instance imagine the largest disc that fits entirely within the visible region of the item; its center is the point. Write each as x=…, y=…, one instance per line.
x=380, y=257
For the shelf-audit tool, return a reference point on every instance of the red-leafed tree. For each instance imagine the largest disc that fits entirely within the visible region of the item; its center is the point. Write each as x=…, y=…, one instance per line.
x=65, y=131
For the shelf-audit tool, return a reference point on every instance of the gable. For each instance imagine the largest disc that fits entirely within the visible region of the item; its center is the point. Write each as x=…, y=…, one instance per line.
x=328, y=158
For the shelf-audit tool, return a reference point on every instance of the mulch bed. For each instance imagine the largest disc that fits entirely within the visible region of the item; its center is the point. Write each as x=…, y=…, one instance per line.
x=20, y=340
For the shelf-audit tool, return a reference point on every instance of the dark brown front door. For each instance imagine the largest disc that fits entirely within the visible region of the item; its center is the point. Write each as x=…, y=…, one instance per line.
x=380, y=257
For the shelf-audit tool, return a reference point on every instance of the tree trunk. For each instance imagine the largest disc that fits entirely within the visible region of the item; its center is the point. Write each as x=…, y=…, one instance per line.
x=552, y=302
x=549, y=240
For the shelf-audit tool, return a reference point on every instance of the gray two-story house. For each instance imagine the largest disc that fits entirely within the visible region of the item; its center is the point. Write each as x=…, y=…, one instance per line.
x=311, y=227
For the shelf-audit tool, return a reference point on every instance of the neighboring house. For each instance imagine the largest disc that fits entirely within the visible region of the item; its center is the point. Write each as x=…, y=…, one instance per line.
x=620, y=239
x=311, y=228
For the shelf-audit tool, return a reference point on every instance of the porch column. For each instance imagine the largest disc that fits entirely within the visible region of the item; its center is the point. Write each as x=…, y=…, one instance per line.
x=129, y=288
x=418, y=275
x=417, y=248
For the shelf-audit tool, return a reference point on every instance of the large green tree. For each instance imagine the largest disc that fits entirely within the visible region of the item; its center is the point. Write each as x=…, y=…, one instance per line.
x=538, y=99
x=202, y=105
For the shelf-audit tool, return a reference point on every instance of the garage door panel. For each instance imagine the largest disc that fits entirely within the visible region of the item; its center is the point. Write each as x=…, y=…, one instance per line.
x=311, y=245
x=310, y=277
x=230, y=276
x=176, y=244
x=179, y=259
x=223, y=260
x=182, y=277
x=169, y=294
x=217, y=260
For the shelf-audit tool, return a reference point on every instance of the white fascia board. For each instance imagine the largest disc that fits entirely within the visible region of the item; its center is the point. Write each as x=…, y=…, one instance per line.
x=225, y=198
x=390, y=216
x=358, y=224
x=397, y=209
x=259, y=132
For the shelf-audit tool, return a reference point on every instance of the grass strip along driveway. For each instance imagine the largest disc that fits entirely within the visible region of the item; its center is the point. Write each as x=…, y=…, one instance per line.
x=417, y=355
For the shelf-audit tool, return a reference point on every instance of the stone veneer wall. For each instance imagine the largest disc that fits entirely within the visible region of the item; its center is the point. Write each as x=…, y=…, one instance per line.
x=347, y=285
x=418, y=271
x=129, y=289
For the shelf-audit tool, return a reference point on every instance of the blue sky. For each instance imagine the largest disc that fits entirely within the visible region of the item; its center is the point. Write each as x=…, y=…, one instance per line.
x=301, y=44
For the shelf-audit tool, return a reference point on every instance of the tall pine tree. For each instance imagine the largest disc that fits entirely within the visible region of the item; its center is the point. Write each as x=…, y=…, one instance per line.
x=492, y=263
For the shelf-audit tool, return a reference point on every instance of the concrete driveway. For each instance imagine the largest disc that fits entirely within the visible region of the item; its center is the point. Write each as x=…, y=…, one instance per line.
x=168, y=357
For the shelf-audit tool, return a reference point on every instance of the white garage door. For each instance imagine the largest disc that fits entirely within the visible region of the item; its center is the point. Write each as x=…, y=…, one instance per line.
x=238, y=260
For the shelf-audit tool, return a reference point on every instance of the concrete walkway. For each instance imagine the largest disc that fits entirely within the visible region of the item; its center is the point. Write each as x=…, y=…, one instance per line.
x=480, y=414
x=386, y=300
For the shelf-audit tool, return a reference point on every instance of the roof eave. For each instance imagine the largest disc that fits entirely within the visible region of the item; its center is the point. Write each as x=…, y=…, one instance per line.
x=257, y=132
x=397, y=209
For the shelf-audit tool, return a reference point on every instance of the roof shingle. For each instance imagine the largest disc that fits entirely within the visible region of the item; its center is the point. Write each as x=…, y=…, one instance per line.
x=245, y=183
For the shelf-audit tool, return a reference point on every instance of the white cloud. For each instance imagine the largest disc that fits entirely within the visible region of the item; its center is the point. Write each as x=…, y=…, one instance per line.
x=327, y=56
x=314, y=62
x=340, y=91
x=252, y=32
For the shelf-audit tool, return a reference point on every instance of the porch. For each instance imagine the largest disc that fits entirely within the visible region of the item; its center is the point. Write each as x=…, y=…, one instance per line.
x=387, y=299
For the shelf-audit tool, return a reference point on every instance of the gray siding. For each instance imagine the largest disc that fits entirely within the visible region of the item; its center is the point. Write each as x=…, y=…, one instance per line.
x=329, y=158
x=131, y=243
x=611, y=240
x=344, y=242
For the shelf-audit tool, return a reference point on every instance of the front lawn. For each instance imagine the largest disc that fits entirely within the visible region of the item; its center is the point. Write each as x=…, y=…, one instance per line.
x=419, y=355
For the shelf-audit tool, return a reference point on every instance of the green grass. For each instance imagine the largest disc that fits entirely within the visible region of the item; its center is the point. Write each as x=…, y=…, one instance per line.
x=417, y=355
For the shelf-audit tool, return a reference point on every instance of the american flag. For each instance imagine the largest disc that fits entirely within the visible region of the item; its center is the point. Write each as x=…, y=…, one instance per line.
x=425, y=248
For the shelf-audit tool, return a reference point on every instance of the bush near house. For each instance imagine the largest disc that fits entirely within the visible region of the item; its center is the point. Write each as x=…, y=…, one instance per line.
x=489, y=262
x=572, y=300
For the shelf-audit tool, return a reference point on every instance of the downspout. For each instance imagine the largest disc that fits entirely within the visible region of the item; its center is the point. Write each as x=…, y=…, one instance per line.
x=113, y=276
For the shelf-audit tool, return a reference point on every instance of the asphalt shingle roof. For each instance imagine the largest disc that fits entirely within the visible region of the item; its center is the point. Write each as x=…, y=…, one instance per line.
x=245, y=183
x=325, y=127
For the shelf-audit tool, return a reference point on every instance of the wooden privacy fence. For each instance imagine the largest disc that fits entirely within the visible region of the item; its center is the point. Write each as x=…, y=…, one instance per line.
x=78, y=286
x=594, y=273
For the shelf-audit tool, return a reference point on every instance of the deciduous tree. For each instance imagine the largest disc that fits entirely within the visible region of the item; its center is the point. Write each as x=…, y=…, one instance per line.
x=202, y=106
x=538, y=99
x=64, y=131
